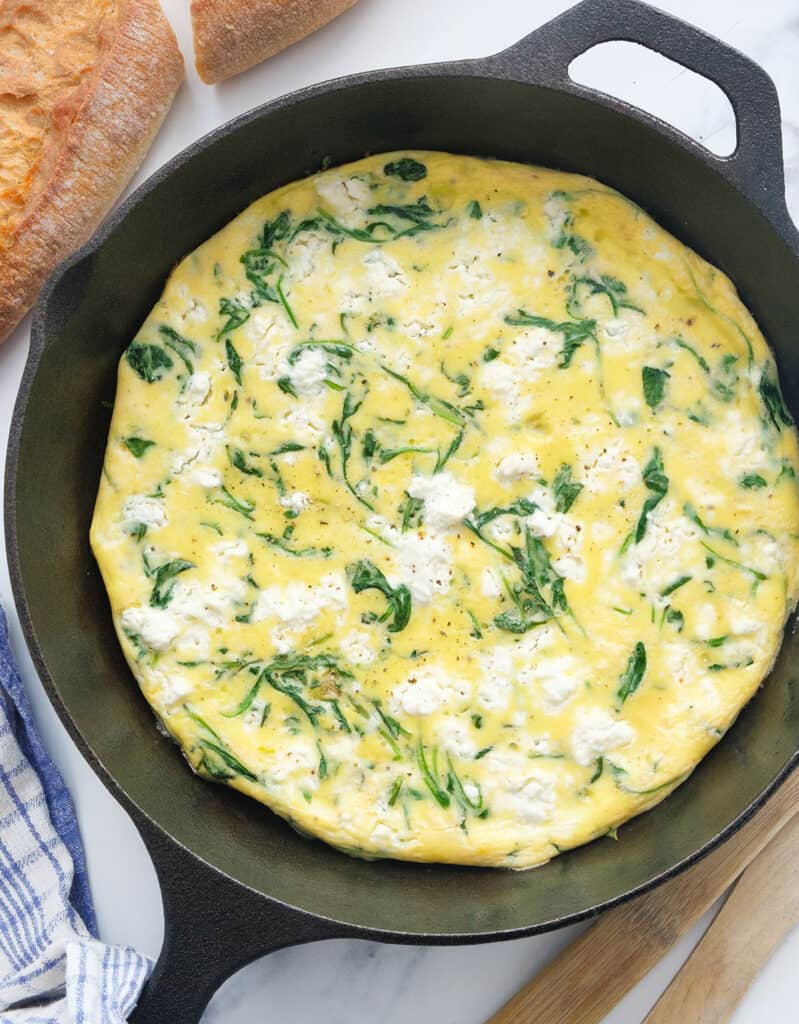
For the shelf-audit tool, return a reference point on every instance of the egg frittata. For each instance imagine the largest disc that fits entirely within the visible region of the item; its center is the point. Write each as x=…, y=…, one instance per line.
x=449, y=508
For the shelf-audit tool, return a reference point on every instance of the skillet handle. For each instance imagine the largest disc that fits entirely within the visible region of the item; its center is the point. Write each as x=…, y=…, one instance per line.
x=756, y=166
x=213, y=926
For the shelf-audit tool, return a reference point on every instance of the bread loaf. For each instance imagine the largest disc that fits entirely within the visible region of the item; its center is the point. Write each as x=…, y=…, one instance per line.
x=233, y=35
x=84, y=87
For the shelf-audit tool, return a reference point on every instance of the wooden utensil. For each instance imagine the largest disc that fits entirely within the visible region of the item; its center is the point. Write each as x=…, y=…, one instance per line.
x=584, y=983
x=759, y=912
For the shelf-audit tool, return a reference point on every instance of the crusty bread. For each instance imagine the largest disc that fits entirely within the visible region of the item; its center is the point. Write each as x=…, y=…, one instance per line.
x=233, y=35
x=84, y=87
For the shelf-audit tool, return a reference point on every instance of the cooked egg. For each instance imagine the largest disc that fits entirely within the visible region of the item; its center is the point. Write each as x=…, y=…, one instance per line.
x=449, y=508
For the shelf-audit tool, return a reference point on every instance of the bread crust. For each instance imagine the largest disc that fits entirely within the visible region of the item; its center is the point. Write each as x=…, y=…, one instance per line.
x=95, y=153
x=233, y=35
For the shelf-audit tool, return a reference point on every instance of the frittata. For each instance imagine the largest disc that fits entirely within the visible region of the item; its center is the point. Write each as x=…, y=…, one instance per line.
x=449, y=508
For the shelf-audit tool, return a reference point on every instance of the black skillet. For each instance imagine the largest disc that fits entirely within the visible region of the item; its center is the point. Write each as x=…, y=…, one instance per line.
x=236, y=881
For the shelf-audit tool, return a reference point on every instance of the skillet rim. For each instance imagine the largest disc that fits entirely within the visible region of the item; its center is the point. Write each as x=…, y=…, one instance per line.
x=155, y=835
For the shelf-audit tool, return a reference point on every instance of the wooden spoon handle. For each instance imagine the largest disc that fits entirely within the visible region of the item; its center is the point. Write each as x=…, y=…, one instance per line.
x=761, y=909
x=584, y=983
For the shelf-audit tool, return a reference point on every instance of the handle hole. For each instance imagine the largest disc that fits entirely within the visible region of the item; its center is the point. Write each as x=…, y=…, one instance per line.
x=652, y=82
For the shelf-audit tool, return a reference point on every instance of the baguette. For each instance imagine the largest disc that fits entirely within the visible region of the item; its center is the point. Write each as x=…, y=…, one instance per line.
x=84, y=87
x=233, y=35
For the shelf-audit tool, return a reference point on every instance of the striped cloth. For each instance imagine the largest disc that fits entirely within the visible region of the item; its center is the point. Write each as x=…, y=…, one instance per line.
x=52, y=968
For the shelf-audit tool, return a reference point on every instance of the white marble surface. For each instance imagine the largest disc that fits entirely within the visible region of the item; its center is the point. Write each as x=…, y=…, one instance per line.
x=362, y=983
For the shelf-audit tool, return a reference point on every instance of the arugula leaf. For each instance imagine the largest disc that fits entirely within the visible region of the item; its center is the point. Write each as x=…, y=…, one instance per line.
x=259, y=264
x=657, y=482
x=287, y=446
x=755, y=573
x=440, y=795
x=633, y=673
x=437, y=406
x=391, y=453
x=565, y=489
x=276, y=230
x=285, y=385
x=365, y=575
x=282, y=543
x=474, y=209
x=771, y=395
x=752, y=481
x=690, y=512
x=697, y=356
x=679, y=582
x=574, y=332
x=150, y=362
x=612, y=288
x=537, y=574
x=417, y=213
x=165, y=579
x=342, y=433
x=181, y=346
x=567, y=239
x=239, y=460
x=244, y=508
x=137, y=446
x=236, y=314
x=234, y=360
x=454, y=445
x=333, y=348
x=406, y=169
x=227, y=759
x=411, y=510
x=520, y=507
x=654, y=382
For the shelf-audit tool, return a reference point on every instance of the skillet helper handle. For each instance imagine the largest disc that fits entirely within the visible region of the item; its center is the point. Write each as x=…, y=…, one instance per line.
x=756, y=166
x=584, y=983
x=757, y=915
x=213, y=926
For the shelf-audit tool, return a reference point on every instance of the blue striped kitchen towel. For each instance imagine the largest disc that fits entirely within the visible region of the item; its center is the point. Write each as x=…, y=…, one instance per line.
x=52, y=968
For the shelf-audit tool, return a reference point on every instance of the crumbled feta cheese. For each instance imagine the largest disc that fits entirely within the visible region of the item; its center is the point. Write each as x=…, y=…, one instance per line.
x=156, y=627
x=423, y=564
x=171, y=687
x=205, y=440
x=384, y=274
x=196, y=389
x=558, y=679
x=297, y=501
x=543, y=524
x=427, y=690
x=598, y=733
x=610, y=468
x=207, y=603
x=141, y=510
x=309, y=372
x=303, y=253
x=454, y=736
x=523, y=794
x=496, y=686
x=705, y=622
x=357, y=648
x=502, y=380
x=299, y=758
x=227, y=549
x=206, y=476
x=446, y=501
x=491, y=584
x=517, y=465
x=304, y=424
x=297, y=605
x=345, y=195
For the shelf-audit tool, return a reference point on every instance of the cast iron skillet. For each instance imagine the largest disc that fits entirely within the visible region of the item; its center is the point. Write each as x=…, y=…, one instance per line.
x=236, y=881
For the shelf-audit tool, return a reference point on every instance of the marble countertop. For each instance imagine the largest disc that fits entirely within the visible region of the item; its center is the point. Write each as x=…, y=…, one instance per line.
x=349, y=982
